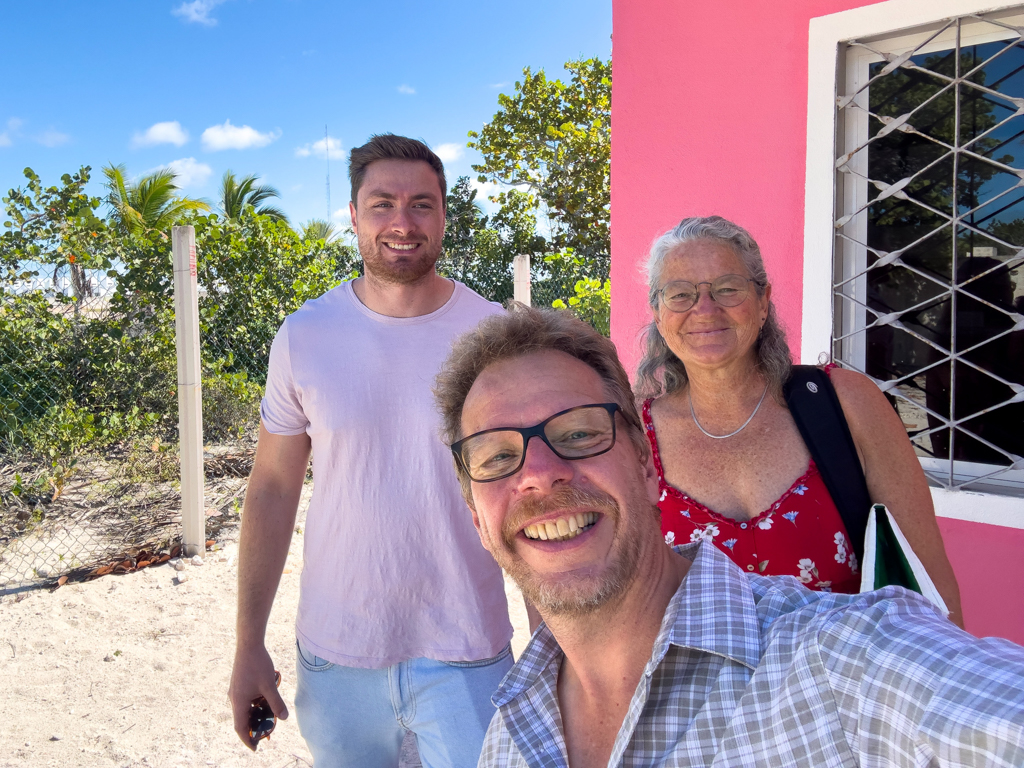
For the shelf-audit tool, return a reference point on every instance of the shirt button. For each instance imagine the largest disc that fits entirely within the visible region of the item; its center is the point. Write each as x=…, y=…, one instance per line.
x=743, y=525
x=750, y=567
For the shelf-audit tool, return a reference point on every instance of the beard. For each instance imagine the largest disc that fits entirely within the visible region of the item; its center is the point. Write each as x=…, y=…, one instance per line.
x=405, y=270
x=570, y=594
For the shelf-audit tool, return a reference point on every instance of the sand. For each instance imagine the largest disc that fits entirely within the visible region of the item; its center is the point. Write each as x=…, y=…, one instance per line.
x=133, y=670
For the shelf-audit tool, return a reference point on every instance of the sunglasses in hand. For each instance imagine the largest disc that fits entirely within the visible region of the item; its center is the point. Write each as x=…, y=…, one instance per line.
x=261, y=717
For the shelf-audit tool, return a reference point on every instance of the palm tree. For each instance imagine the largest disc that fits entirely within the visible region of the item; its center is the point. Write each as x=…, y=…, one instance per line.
x=147, y=205
x=319, y=229
x=236, y=194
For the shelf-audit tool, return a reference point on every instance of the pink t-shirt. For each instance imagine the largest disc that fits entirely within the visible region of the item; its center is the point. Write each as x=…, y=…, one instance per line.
x=394, y=568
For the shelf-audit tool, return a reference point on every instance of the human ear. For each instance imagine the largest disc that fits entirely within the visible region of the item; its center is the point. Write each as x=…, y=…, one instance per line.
x=352, y=215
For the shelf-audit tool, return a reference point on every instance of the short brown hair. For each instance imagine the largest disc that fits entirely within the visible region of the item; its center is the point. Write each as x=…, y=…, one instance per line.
x=388, y=146
x=520, y=331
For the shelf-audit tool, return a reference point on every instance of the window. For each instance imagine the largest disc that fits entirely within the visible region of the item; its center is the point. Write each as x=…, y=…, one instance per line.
x=927, y=276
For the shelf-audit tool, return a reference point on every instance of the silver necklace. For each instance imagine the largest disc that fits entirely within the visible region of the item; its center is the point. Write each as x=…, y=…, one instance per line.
x=722, y=437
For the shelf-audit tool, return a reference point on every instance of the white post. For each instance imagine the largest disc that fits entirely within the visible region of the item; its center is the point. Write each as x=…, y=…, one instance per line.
x=521, y=278
x=190, y=391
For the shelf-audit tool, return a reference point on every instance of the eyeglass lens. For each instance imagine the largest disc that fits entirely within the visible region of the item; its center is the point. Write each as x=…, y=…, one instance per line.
x=727, y=290
x=575, y=434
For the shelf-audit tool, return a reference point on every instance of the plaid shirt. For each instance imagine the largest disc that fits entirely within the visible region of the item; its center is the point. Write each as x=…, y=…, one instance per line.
x=748, y=670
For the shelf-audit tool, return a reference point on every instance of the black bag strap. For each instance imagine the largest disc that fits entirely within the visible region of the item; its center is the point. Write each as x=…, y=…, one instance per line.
x=815, y=407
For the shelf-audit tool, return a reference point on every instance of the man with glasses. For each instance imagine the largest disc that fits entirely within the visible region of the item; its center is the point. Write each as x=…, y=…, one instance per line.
x=402, y=620
x=657, y=656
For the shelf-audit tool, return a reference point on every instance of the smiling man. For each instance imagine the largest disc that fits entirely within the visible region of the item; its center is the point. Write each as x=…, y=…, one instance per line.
x=654, y=656
x=402, y=620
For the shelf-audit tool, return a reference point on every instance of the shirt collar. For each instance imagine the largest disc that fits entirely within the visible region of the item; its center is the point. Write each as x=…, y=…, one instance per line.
x=713, y=611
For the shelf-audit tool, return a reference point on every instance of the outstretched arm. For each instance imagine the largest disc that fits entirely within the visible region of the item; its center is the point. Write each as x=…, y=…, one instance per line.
x=268, y=519
x=895, y=477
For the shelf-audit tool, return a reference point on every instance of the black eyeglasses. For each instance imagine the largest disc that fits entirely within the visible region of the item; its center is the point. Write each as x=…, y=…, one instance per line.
x=727, y=290
x=261, y=717
x=576, y=433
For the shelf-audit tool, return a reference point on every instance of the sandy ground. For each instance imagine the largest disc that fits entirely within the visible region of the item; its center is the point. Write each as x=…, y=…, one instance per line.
x=133, y=670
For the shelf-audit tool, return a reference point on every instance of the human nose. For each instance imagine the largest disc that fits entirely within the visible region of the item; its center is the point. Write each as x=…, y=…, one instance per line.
x=401, y=219
x=542, y=468
x=705, y=299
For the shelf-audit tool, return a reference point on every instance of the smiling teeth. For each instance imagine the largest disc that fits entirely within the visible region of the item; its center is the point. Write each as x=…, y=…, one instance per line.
x=562, y=529
x=401, y=246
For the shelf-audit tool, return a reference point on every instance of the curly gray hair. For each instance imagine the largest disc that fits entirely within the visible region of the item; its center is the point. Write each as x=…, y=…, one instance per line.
x=660, y=371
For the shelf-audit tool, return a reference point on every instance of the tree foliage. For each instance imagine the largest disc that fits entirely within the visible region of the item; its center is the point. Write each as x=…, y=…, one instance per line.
x=548, y=149
x=552, y=139
x=78, y=374
x=237, y=194
x=147, y=205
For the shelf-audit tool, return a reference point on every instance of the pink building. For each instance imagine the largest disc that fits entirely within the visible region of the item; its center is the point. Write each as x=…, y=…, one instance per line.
x=875, y=152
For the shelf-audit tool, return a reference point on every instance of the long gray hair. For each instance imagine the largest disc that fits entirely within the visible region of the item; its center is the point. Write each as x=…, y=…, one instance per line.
x=660, y=371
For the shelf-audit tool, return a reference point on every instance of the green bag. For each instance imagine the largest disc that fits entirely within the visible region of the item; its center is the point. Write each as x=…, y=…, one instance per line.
x=890, y=561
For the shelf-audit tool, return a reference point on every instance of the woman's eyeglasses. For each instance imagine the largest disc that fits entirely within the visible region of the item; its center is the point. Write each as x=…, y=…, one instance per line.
x=727, y=290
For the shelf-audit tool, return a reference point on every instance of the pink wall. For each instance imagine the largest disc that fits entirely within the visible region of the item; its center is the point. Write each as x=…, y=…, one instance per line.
x=709, y=115
x=990, y=570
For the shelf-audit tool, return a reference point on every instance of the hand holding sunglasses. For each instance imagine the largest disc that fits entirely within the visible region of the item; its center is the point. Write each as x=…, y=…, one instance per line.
x=261, y=717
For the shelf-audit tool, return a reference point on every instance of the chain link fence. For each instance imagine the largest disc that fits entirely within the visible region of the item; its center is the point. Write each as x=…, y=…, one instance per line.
x=88, y=459
x=89, y=464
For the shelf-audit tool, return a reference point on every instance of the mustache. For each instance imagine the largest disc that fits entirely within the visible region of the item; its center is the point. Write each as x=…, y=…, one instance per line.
x=566, y=497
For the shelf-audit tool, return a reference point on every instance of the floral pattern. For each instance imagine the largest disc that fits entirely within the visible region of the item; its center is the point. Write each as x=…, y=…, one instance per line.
x=812, y=545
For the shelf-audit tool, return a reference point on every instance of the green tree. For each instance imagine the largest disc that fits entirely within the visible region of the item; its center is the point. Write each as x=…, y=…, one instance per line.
x=553, y=140
x=150, y=204
x=319, y=229
x=55, y=226
x=236, y=194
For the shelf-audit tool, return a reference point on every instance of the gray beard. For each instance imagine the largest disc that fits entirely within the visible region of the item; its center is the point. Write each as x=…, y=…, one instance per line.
x=581, y=596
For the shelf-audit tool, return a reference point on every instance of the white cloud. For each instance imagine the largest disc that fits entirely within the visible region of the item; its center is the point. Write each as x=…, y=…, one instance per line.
x=449, y=152
x=52, y=138
x=342, y=216
x=321, y=148
x=229, y=136
x=161, y=133
x=499, y=85
x=190, y=172
x=7, y=137
x=408, y=90
x=198, y=12
x=484, y=189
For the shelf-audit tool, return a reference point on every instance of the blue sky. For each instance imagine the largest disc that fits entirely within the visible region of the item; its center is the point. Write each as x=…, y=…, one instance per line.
x=248, y=85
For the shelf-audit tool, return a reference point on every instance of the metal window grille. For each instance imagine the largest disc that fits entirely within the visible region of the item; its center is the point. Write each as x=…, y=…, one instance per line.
x=928, y=288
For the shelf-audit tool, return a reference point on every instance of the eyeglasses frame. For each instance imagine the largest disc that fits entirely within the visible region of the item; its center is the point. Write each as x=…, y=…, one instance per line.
x=537, y=430
x=661, y=291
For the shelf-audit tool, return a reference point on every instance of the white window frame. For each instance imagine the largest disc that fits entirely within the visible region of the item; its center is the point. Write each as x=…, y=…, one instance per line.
x=826, y=35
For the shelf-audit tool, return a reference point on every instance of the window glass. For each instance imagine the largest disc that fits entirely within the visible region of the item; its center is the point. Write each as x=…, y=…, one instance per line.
x=930, y=277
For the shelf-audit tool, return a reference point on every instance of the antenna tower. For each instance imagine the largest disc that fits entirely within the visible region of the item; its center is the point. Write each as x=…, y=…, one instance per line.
x=327, y=151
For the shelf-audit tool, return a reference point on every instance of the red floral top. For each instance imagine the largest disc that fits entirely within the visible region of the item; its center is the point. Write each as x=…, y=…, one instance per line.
x=801, y=534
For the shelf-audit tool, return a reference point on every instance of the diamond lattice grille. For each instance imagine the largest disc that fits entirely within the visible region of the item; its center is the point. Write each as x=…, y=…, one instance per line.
x=929, y=270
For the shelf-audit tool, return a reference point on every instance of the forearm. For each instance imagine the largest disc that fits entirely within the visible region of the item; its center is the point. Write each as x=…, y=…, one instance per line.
x=268, y=520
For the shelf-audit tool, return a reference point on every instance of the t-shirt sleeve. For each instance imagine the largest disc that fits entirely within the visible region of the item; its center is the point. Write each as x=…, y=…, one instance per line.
x=281, y=408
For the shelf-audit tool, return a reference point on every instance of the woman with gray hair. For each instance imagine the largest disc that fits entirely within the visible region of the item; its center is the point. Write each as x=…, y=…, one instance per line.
x=732, y=465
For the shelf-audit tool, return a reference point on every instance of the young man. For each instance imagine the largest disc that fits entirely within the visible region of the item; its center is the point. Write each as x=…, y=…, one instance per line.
x=402, y=620
x=651, y=656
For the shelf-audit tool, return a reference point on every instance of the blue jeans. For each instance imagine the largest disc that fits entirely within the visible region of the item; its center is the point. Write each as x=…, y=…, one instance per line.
x=358, y=717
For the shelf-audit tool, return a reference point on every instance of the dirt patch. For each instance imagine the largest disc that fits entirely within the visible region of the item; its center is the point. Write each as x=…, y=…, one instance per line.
x=132, y=670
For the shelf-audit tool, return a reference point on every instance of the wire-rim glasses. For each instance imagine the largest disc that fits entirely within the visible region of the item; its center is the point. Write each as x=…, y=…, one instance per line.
x=727, y=290
x=575, y=433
